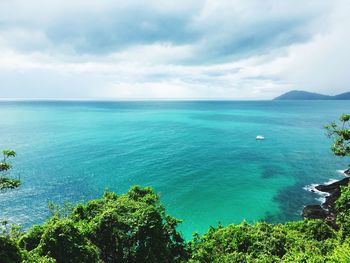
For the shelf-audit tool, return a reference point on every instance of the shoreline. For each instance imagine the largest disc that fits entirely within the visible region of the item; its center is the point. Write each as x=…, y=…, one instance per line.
x=329, y=192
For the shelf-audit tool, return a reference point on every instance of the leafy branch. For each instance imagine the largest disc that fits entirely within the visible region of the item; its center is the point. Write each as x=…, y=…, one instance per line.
x=340, y=132
x=5, y=181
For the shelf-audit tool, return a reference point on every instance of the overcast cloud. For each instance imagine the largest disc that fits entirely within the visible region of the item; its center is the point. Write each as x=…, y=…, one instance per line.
x=227, y=49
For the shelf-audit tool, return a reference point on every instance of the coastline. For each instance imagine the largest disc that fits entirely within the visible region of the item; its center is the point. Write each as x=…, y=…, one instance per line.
x=329, y=192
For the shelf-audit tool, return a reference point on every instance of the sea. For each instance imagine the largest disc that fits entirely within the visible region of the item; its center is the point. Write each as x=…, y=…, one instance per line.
x=201, y=157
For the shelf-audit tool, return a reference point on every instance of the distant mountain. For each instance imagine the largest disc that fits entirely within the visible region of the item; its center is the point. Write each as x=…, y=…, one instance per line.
x=304, y=95
x=343, y=96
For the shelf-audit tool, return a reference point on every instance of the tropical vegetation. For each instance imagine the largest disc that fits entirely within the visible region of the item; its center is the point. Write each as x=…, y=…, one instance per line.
x=134, y=227
x=6, y=182
x=341, y=135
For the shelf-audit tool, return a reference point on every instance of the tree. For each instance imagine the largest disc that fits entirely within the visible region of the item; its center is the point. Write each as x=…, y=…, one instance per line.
x=5, y=181
x=9, y=251
x=341, y=135
x=132, y=227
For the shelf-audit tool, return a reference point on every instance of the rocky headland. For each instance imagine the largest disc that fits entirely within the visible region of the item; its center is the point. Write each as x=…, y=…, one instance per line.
x=326, y=210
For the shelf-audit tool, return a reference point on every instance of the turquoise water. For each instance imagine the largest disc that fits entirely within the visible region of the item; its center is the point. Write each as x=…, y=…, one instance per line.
x=201, y=157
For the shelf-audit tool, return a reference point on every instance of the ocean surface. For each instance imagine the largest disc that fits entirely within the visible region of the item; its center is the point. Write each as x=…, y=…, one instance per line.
x=200, y=156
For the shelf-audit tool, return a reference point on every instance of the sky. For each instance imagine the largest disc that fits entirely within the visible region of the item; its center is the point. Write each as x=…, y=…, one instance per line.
x=183, y=49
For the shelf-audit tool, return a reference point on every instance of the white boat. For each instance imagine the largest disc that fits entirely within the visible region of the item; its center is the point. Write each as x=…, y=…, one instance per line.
x=260, y=137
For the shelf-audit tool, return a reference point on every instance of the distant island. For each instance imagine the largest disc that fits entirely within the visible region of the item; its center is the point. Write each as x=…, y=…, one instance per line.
x=305, y=95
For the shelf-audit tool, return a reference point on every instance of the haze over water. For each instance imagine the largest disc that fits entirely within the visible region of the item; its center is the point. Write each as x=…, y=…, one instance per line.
x=200, y=156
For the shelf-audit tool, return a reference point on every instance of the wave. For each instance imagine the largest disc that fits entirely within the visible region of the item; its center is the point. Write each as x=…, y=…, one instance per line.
x=342, y=172
x=322, y=195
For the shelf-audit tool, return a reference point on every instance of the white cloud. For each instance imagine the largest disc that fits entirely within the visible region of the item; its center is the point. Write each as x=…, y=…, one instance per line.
x=189, y=49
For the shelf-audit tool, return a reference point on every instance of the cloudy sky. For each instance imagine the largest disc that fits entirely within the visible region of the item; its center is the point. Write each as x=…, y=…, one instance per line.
x=183, y=49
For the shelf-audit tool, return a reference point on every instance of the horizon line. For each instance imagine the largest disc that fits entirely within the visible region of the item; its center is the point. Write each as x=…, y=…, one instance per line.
x=129, y=99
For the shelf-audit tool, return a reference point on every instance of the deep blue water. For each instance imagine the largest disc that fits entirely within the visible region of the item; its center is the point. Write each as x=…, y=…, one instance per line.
x=200, y=156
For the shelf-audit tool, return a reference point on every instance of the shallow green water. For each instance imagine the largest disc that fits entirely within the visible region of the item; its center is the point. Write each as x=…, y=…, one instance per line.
x=201, y=157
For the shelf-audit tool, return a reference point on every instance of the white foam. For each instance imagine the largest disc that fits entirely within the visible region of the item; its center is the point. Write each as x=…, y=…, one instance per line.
x=342, y=172
x=330, y=181
x=321, y=195
x=310, y=188
x=321, y=199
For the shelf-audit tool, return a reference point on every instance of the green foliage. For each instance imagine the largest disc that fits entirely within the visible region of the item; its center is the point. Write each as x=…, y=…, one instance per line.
x=343, y=212
x=128, y=228
x=64, y=242
x=5, y=181
x=134, y=227
x=303, y=241
x=5, y=166
x=135, y=221
x=316, y=229
x=341, y=253
x=341, y=134
x=32, y=257
x=9, y=251
x=31, y=239
x=9, y=230
x=8, y=153
x=60, y=211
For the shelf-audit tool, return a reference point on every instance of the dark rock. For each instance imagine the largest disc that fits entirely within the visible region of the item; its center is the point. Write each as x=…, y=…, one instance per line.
x=347, y=172
x=334, y=192
x=314, y=212
x=329, y=204
x=334, y=187
x=326, y=211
